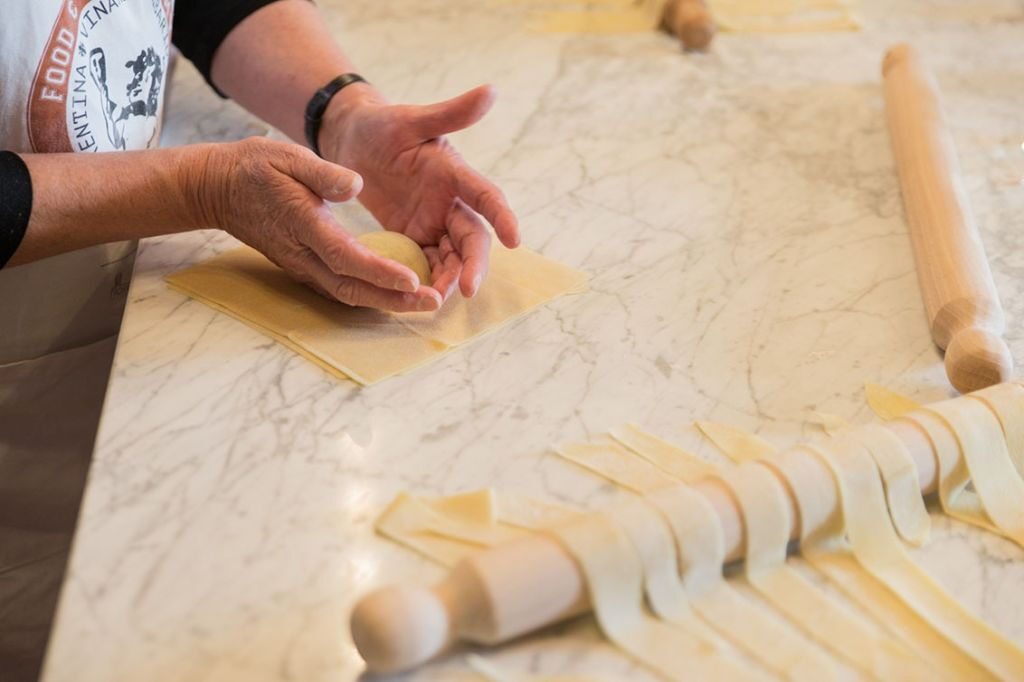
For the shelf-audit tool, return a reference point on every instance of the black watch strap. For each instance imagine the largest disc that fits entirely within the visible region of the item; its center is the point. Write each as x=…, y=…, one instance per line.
x=318, y=105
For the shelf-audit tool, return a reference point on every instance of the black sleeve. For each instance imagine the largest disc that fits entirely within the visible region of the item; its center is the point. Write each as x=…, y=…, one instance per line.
x=15, y=203
x=200, y=26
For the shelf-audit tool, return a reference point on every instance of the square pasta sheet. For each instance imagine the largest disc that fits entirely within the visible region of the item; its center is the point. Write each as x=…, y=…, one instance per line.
x=363, y=344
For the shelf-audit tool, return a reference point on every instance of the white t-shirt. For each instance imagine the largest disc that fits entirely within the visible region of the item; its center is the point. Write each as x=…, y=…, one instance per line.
x=76, y=76
x=82, y=75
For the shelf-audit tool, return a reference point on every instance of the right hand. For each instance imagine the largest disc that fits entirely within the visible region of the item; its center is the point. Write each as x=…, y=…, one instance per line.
x=273, y=196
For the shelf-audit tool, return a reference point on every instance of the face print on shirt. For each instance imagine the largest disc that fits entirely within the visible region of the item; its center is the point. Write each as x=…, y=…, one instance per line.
x=138, y=106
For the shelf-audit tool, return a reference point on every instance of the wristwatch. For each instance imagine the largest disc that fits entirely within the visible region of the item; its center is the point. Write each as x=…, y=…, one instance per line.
x=318, y=105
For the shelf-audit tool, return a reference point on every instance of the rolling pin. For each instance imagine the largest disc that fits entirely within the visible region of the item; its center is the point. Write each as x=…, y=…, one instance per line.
x=959, y=295
x=690, y=21
x=516, y=588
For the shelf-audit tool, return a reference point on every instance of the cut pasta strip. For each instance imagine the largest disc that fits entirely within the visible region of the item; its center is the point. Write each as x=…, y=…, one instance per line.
x=1007, y=402
x=669, y=458
x=877, y=547
x=823, y=545
x=888, y=404
x=654, y=544
x=957, y=500
x=532, y=514
x=608, y=459
x=830, y=423
x=737, y=444
x=933, y=650
x=479, y=506
x=902, y=487
x=983, y=448
x=401, y=523
x=614, y=576
x=442, y=538
x=766, y=518
x=492, y=673
x=752, y=628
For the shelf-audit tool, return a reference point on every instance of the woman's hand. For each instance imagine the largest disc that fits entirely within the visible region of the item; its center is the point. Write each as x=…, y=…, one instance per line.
x=273, y=196
x=416, y=182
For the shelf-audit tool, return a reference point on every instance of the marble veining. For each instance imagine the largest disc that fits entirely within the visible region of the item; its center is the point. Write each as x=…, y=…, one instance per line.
x=740, y=218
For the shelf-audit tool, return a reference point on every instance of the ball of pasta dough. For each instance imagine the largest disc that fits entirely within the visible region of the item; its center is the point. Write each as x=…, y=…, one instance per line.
x=396, y=246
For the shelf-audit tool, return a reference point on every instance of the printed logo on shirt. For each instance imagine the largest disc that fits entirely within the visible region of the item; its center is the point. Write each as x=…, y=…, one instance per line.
x=99, y=84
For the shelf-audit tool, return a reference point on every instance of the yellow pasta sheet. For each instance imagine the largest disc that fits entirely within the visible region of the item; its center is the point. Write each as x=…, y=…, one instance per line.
x=783, y=16
x=362, y=344
x=595, y=16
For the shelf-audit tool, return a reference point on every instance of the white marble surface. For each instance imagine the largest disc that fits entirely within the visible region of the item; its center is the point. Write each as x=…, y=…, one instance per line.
x=740, y=218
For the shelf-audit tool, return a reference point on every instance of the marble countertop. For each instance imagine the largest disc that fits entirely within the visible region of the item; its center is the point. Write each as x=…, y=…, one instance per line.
x=739, y=215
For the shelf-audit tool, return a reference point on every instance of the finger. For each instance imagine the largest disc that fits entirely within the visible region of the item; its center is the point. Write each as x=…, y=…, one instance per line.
x=345, y=256
x=445, y=246
x=451, y=265
x=445, y=266
x=328, y=180
x=435, y=120
x=482, y=196
x=358, y=292
x=473, y=242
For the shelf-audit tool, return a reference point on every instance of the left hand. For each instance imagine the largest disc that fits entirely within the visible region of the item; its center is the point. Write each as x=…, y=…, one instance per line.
x=415, y=182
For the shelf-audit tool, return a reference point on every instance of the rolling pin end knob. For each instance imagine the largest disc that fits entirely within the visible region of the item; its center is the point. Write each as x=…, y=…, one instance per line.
x=977, y=358
x=399, y=627
x=691, y=22
x=894, y=55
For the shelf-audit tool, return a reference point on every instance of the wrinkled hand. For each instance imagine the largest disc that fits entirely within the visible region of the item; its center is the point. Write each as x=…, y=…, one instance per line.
x=416, y=182
x=271, y=195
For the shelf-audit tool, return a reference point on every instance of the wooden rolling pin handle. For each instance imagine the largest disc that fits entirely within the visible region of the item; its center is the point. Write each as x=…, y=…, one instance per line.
x=690, y=21
x=399, y=627
x=964, y=313
x=488, y=598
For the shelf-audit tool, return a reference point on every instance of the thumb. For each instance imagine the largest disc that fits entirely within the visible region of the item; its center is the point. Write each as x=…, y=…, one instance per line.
x=328, y=180
x=435, y=120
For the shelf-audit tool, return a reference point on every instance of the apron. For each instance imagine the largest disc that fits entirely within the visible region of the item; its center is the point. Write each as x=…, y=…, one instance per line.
x=75, y=76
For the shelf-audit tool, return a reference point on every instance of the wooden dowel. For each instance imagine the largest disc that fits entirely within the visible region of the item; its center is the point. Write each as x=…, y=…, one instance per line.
x=964, y=313
x=498, y=594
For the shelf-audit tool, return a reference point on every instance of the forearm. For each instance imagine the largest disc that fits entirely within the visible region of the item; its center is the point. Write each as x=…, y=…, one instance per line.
x=277, y=58
x=81, y=200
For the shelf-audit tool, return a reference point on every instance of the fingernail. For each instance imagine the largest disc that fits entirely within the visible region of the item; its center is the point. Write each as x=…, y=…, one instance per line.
x=427, y=304
x=352, y=187
x=406, y=285
x=477, y=281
